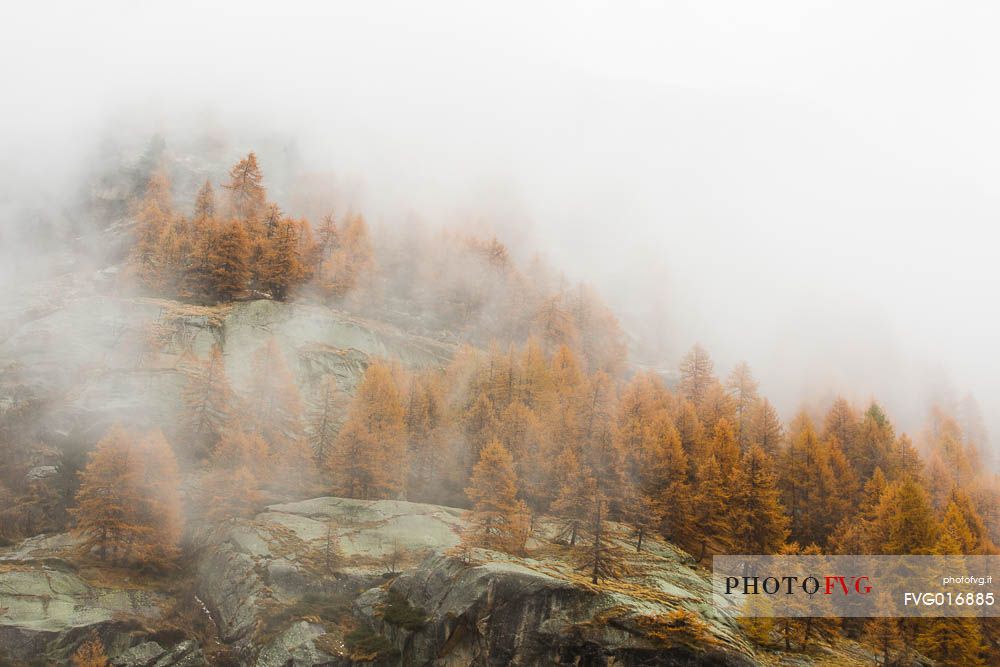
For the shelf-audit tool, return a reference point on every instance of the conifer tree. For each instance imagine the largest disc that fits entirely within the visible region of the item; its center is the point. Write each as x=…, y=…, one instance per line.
x=842, y=423
x=956, y=536
x=765, y=428
x=327, y=241
x=368, y=460
x=522, y=434
x=351, y=261
x=280, y=267
x=230, y=493
x=725, y=448
x=226, y=261
x=692, y=435
x=154, y=215
x=717, y=405
x=573, y=501
x=951, y=642
x=875, y=441
x=884, y=634
x=240, y=449
x=760, y=525
x=807, y=484
x=711, y=509
x=696, y=374
x=743, y=387
x=108, y=500
x=537, y=383
x=247, y=199
x=426, y=423
x=858, y=534
x=323, y=421
x=208, y=402
x=480, y=427
x=847, y=488
x=498, y=520
x=204, y=203
x=161, y=502
x=981, y=542
x=602, y=557
x=905, y=519
x=554, y=325
x=127, y=508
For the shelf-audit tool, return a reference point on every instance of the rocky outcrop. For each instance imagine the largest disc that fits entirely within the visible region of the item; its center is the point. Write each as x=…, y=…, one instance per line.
x=96, y=357
x=502, y=611
x=47, y=609
x=397, y=591
x=323, y=551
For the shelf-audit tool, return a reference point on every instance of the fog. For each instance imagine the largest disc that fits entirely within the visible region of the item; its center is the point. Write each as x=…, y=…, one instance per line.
x=811, y=187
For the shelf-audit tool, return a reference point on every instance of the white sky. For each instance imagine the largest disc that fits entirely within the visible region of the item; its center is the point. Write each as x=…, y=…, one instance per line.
x=809, y=186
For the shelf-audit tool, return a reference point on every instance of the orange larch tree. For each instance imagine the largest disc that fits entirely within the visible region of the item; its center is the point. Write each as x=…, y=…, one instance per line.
x=498, y=520
x=369, y=458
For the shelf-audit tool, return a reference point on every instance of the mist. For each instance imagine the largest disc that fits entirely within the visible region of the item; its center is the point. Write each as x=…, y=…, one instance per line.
x=811, y=189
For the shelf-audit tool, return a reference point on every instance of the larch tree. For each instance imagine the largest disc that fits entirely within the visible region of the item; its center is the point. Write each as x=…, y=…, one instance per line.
x=725, y=448
x=154, y=214
x=951, y=642
x=841, y=422
x=572, y=503
x=426, y=437
x=766, y=429
x=247, y=198
x=327, y=241
x=743, y=388
x=109, y=498
x=208, y=402
x=204, y=203
x=281, y=266
x=711, y=509
x=161, y=501
x=760, y=525
x=807, y=484
x=692, y=435
x=905, y=520
x=858, y=533
x=229, y=494
x=368, y=460
x=956, y=536
x=696, y=374
x=717, y=405
x=351, y=261
x=227, y=261
x=323, y=417
x=602, y=556
x=498, y=520
x=127, y=508
x=522, y=434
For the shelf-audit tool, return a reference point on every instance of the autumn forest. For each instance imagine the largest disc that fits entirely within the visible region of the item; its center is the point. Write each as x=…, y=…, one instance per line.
x=537, y=414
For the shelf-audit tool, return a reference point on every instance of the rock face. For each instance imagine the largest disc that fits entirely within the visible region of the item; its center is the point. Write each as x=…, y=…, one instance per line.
x=503, y=611
x=411, y=599
x=331, y=581
x=46, y=609
x=95, y=357
x=325, y=548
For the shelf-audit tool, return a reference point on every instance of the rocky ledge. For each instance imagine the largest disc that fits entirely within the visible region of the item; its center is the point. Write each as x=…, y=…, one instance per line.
x=331, y=581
